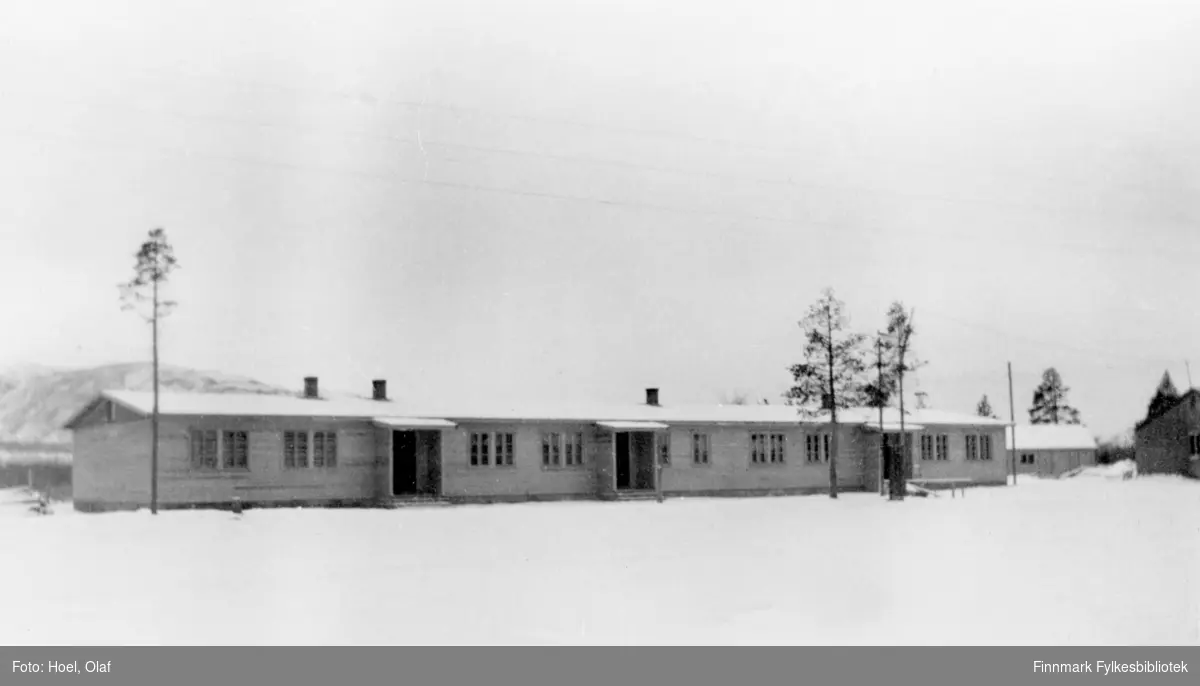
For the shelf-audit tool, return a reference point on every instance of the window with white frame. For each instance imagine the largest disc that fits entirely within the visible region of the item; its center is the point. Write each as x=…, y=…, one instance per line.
x=481, y=455
x=972, y=446
x=204, y=449
x=767, y=448
x=491, y=449
x=324, y=453
x=573, y=449
x=562, y=450
x=295, y=449
x=926, y=447
x=816, y=447
x=1027, y=458
x=942, y=445
x=237, y=450
x=551, y=450
x=985, y=446
x=504, y=449
x=700, y=448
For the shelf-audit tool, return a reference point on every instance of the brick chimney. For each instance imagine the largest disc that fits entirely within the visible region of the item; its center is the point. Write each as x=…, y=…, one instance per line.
x=652, y=396
x=379, y=389
x=310, y=387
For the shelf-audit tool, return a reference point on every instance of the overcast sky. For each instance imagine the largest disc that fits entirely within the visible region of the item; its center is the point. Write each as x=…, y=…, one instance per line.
x=576, y=200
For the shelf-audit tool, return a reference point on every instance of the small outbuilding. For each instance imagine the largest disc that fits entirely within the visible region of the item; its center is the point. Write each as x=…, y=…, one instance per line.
x=1051, y=449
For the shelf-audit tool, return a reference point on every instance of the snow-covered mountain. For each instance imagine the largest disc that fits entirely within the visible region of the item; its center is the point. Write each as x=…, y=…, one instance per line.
x=35, y=401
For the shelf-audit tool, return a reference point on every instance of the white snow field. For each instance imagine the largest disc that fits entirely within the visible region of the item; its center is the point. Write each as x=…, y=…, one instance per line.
x=1073, y=561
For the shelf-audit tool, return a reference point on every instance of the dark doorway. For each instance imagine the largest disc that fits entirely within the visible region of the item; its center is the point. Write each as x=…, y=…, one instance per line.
x=622, y=452
x=887, y=457
x=431, y=463
x=404, y=462
x=893, y=452
x=643, y=459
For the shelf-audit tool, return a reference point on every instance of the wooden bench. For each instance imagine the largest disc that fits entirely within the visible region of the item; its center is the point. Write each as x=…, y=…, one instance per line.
x=953, y=484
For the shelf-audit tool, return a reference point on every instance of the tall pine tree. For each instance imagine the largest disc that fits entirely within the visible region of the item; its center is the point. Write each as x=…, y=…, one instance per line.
x=1050, y=401
x=830, y=377
x=154, y=262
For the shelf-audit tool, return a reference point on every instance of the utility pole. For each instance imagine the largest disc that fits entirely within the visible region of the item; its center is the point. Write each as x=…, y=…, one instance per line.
x=1012, y=416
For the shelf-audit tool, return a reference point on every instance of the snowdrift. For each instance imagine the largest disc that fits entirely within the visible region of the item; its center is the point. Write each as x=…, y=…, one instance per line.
x=1125, y=469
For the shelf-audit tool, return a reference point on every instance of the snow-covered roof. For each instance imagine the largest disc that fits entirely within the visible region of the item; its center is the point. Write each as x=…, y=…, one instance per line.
x=922, y=417
x=1051, y=437
x=260, y=405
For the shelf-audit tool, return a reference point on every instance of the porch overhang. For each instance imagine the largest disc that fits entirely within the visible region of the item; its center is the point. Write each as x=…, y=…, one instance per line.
x=413, y=423
x=632, y=426
x=894, y=427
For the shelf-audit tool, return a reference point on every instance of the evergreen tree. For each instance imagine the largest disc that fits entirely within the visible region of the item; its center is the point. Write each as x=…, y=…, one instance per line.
x=1050, y=401
x=155, y=260
x=830, y=377
x=1164, y=397
x=984, y=408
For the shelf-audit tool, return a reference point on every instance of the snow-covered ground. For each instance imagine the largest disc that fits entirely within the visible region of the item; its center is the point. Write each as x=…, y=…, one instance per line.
x=1073, y=561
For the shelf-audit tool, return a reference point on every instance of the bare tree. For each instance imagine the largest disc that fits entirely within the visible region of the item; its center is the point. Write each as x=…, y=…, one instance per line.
x=155, y=260
x=900, y=332
x=831, y=375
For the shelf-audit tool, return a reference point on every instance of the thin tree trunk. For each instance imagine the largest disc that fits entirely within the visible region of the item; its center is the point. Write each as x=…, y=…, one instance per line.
x=882, y=436
x=833, y=439
x=154, y=414
x=898, y=480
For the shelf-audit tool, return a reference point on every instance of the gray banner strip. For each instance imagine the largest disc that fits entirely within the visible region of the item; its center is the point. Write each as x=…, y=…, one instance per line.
x=295, y=666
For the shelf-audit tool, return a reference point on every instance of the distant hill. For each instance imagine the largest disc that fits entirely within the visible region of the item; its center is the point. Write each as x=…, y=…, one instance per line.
x=36, y=401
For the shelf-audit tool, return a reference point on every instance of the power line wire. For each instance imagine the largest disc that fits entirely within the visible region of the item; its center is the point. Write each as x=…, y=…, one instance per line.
x=361, y=97
x=789, y=182
x=798, y=223
x=1106, y=354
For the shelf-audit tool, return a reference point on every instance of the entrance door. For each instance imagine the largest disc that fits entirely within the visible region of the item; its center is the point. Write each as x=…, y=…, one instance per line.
x=432, y=449
x=887, y=457
x=404, y=463
x=622, y=454
x=643, y=459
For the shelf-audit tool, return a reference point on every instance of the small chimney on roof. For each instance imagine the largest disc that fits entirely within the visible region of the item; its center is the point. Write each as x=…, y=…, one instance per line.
x=379, y=389
x=652, y=396
x=310, y=387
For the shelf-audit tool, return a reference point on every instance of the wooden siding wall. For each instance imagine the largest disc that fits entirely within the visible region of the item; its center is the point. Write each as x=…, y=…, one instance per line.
x=1054, y=462
x=1162, y=445
x=730, y=469
x=600, y=450
x=111, y=464
x=993, y=471
x=870, y=457
x=527, y=477
x=383, y=463
x=264, y=481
